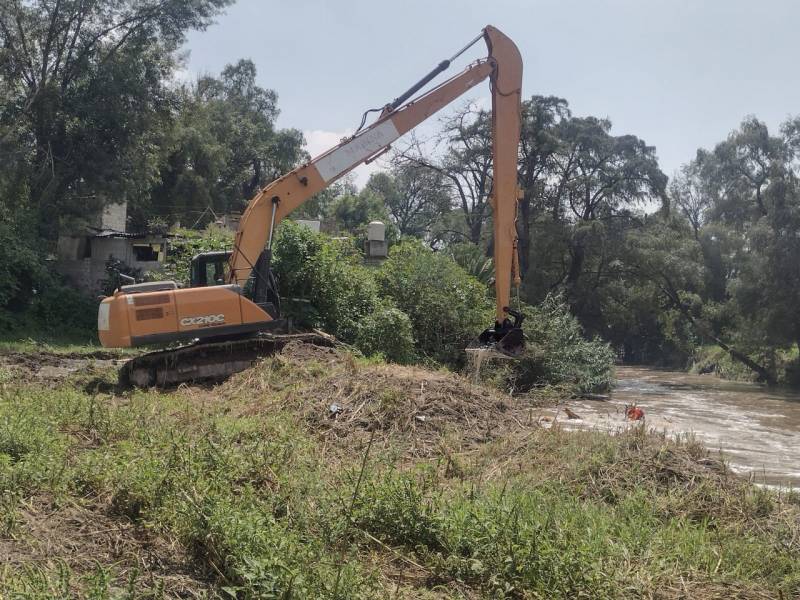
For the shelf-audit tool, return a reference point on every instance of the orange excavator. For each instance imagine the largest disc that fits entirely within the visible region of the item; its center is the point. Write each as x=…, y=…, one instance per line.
x=231, y=311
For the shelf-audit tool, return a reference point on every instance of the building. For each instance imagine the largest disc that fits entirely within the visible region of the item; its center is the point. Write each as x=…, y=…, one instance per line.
x=82, y=255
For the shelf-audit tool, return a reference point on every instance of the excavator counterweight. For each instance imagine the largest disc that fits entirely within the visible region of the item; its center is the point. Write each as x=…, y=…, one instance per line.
x=233, y=303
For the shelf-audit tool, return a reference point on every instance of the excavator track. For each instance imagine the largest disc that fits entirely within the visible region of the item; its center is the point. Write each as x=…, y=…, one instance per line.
x=210, y=360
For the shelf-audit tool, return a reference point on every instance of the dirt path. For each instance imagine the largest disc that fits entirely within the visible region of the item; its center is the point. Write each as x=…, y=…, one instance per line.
x=46, y=366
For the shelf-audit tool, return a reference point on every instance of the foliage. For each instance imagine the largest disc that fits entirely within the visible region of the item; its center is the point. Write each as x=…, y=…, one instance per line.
x=387, y=331
x=186, y=244
x=447, y=307
x=85, y=103
x=352, y=213
x=324, y=281
x=414, y=196
x=470, y=258
x=113, y=280
x=743, y=201
x=224, y=147
x=34, y=301
x=463, y=171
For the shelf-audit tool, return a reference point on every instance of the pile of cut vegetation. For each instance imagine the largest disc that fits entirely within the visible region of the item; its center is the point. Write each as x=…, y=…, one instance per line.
x=345, y=399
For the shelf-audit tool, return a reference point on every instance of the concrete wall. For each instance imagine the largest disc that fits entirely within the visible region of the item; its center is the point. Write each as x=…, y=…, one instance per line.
x=114, y=216
x=88, y=273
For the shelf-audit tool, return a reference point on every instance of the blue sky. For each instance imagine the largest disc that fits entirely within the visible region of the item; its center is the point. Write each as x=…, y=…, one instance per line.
x=680, y=74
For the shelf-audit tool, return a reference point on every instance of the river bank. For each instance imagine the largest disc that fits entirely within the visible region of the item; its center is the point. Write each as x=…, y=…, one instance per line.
x=316, y=474
x=712, y=359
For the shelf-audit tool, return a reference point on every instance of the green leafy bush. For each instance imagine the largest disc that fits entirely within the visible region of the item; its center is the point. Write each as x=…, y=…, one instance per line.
x=186, y=245
x=323, y=282
x=34, y=301
x=387, y=331
x=473, y=260
x=447, y=307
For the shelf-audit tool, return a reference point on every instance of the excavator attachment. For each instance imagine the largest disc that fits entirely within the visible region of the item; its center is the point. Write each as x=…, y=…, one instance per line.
x=505, y=338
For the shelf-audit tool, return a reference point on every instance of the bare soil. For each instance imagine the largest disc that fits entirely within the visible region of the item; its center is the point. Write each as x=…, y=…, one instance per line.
x=53, y=367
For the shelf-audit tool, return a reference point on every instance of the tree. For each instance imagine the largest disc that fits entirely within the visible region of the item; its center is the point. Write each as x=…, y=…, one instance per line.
x=465, y=167
x=604, y=176
x=224, y=146
x=742, y=202
x=85, y=96
x=687, y=191
x=740, y=169
x=413, y=195
x=542, y=117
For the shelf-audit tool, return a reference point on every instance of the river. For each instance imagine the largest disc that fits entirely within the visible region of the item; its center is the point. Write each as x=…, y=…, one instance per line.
x=756, y=428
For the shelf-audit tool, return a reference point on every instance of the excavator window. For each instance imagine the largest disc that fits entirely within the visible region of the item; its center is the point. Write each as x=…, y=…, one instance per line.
x=209, y=269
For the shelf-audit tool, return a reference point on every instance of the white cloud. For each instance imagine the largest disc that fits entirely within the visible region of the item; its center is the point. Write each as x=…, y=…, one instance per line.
x=319, y=141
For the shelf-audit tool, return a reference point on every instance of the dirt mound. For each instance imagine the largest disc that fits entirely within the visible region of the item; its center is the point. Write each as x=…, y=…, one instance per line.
x=344, y=399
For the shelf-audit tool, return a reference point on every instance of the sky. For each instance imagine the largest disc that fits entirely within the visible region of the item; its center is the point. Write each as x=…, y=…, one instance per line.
x=680, y=74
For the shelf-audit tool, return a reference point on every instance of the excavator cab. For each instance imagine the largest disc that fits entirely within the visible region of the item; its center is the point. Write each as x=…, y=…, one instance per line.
x=209, y=268
x=213, y=268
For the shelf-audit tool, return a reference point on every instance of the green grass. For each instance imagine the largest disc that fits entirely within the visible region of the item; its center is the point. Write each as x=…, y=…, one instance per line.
x=227, y=493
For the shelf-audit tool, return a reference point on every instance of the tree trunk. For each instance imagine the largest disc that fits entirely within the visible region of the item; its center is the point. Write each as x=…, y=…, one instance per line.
x=524, y=235
x=762, y=372
x=576, y=264
x=475, y=228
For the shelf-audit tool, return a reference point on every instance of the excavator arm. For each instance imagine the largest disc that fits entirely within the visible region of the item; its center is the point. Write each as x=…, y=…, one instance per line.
x=503, y=67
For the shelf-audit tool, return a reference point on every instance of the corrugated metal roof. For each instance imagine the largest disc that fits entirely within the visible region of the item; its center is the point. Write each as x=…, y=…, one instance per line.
x=112, y=233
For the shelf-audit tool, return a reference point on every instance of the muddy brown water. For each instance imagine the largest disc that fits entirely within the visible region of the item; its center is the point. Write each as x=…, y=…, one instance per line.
x=756, y=428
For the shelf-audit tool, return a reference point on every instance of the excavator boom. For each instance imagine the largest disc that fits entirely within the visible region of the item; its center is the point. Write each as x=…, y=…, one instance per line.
x=161, y=312
x=504, y=68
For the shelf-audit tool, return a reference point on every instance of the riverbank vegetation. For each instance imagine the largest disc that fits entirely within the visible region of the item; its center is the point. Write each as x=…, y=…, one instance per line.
x=322, y=475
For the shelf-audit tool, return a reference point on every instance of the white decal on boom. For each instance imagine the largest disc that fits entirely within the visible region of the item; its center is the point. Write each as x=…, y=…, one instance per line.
x=356, y=150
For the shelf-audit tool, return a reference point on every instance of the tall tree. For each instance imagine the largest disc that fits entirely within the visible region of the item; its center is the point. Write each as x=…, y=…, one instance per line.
x=465, y=165
x=740, y=169
x=604, y=177
x=414, y=196
x=224, y=146
x=542, y=117
x=84, y=84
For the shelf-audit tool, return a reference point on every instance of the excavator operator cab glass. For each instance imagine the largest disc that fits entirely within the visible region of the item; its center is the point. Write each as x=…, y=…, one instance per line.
x=209, y=269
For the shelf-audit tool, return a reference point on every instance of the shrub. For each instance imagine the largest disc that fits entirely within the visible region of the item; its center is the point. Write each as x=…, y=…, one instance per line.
x=33, y=299
x=473, y=260
x=323, y=281
x=186, y=245
x=447, y=307
x=387, y=331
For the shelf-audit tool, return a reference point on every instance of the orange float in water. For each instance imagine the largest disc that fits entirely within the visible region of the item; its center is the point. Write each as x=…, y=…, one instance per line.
x=634, y=413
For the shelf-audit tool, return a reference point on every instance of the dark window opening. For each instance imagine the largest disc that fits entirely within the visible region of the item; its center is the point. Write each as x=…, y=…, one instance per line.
x=146, y=252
